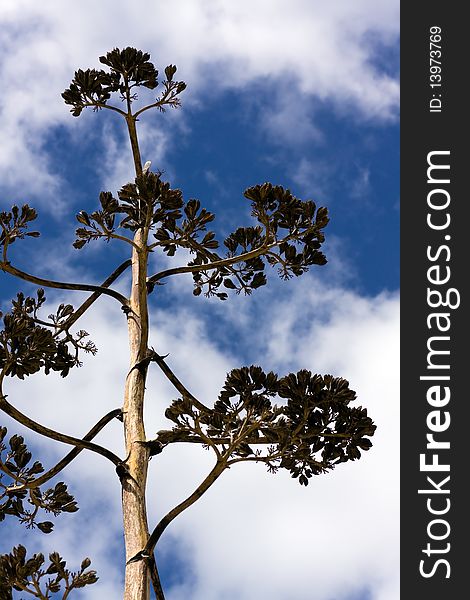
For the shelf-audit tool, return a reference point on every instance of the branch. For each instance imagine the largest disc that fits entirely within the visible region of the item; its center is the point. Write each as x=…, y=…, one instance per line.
x=218, y=469
x=70, y=456
x=215, y=473
x=143, y=109
x=55, y=435
x=103, y=105
x=170, y=437
x=227, y=262
x=205, y=438
x=265, y=459
x=123, y=238
x=177, y=383
x=159, y=103
x=181, y=436
x=8, y=268
x=155, y=577
x=23, y=588
x=213, y=256
x=86, y=305
x=214, y=265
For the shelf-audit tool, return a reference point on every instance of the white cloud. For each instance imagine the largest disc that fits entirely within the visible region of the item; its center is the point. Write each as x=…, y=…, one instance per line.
x=253, y=534
x=314, y=176
x=291, y=118
x=324, y=51
x=361, y=185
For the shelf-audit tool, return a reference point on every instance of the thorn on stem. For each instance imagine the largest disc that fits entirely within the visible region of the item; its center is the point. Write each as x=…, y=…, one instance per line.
x=139, y=556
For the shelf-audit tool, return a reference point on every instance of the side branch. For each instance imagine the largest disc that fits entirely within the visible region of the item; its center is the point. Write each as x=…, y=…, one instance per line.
x=226, y=262
x=170, y=437
x=8, y=268
x=86, y=305
x=167, y=95
x=18, y=416
x=146, y=553
x=155, y=578
x=123, y=238
x=100, y=105
x=71, y=455
x=213, y=256
x=177, y=383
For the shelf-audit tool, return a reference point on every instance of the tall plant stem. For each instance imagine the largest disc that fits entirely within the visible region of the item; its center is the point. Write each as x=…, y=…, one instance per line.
x=136, y=532
x=131, y=127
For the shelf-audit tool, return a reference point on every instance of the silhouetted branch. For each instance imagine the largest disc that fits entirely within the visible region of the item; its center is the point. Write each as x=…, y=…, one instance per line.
x=215, y=473
x=71, y=455
x=18, y=416
x=213, y=265
x=86, y=305
x=177, y=383
x=155, y=578
x=81, y=287
x=103, y=105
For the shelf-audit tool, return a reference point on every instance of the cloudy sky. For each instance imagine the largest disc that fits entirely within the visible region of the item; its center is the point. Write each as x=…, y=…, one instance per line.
x=301, y=93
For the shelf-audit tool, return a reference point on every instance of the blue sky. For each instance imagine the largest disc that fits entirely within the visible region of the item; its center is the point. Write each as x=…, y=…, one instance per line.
x=298, y=93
